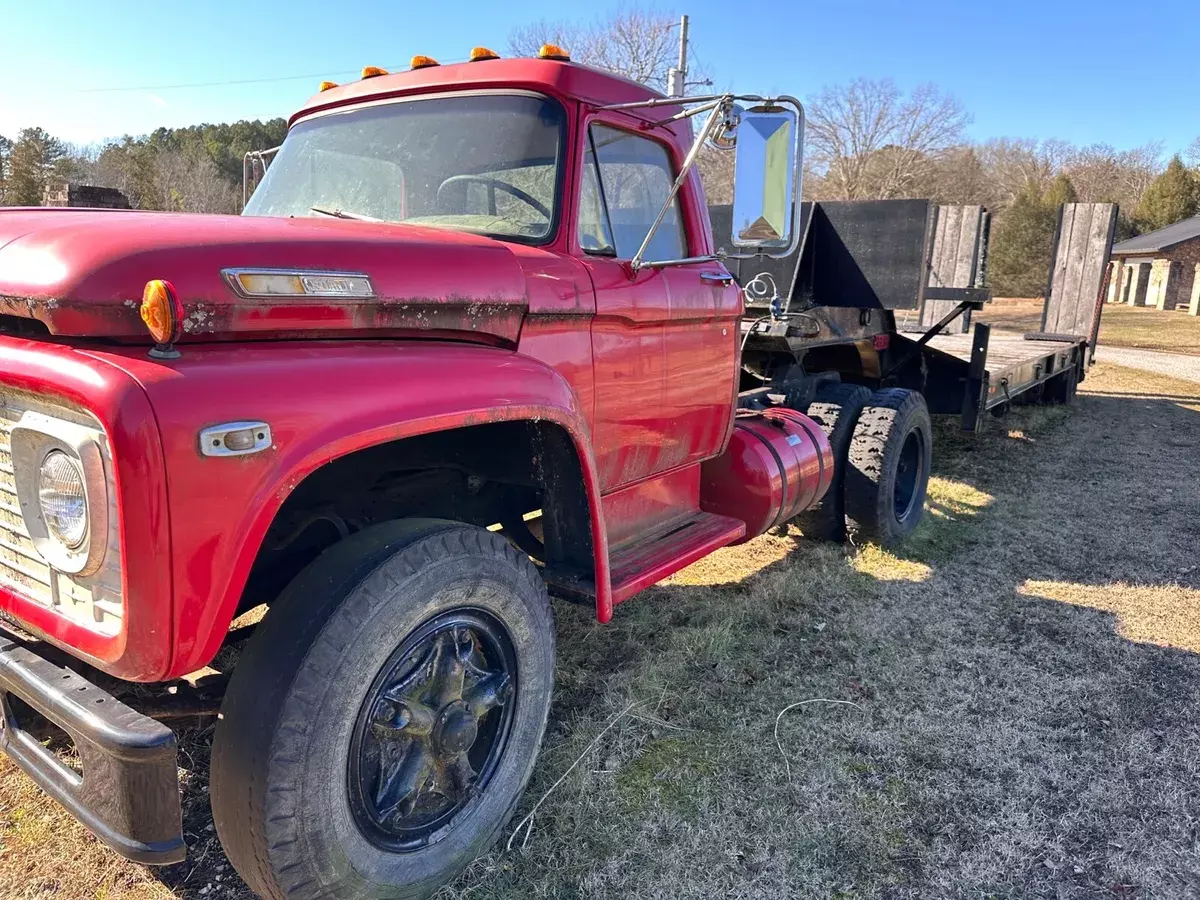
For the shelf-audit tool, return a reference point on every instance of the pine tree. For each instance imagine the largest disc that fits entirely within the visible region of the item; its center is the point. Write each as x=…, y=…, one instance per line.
x=32, y=162
x=5, y=156
x=1019, y=256
x=1172, y=196
x=1061, y=191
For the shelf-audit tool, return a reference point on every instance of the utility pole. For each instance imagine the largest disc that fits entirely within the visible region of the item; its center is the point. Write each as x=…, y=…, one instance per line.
x=677, y=76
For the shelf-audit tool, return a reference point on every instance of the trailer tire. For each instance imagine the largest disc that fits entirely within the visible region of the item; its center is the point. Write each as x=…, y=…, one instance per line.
x=384, y=720
x=889, y=464
x=1061, y=388
x=835, y=409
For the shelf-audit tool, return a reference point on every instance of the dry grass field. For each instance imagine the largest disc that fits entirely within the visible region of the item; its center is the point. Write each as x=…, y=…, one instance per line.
x=1017, y=702
x=1120, y=325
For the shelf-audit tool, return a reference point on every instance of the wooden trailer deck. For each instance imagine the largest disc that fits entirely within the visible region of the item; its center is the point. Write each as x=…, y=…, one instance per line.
x=1006, y=350
x=1010, y=364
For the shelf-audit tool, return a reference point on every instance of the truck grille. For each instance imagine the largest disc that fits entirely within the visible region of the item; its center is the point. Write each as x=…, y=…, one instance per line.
x=93, y=601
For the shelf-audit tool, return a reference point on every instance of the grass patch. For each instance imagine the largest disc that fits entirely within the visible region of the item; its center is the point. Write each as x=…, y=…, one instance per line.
x=1136, y=327
x=1025, y=675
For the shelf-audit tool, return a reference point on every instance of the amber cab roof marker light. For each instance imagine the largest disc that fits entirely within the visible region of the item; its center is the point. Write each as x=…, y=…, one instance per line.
x=478, y=54
x=553, y=51
x=327, y=86
x=163, y=314
x=373, y=72
x=423, y=62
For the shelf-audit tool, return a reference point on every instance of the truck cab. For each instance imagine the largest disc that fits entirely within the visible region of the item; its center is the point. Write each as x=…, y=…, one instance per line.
x=471, y=343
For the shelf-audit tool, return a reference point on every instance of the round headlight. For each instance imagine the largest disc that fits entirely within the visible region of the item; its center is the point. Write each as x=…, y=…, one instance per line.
x=63, y=498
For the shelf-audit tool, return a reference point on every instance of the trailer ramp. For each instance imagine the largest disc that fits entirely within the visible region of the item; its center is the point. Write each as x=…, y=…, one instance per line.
x=997, y=367
x=958, y=261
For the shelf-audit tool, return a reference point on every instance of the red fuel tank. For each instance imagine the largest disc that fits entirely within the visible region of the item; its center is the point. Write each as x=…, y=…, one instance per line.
x=778, y=464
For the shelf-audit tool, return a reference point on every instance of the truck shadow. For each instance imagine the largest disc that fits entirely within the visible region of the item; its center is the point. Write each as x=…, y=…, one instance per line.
x=1025, y=673
x=1026, y=670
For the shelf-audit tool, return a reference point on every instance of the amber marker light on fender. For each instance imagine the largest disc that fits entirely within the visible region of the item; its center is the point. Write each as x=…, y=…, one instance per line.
x=163, y=314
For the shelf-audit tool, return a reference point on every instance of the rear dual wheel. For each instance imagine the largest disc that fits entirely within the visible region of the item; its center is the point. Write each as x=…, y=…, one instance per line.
x=835, y=409
x=1062, y=387
x=881, y=450
x=888, y=466
x=385, y=718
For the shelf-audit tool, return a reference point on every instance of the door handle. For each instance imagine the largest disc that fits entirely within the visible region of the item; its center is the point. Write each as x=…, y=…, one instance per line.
x=716, y=277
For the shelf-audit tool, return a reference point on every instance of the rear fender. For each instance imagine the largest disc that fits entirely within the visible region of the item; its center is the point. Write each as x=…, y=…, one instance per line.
x=321, y=401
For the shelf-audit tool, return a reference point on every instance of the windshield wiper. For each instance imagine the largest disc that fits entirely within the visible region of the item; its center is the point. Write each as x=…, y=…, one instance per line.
x=342, y=214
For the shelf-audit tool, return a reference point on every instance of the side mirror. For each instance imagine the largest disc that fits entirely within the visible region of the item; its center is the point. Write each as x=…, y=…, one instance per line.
x=765, y=180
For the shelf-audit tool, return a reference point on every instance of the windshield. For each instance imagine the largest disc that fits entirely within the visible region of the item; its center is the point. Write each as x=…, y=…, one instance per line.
x=482, y=163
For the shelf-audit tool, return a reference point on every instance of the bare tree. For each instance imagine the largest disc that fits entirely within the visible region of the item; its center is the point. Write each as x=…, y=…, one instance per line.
x=1102, y=173
x=1017, y=166
x=866, y=140
x=186, y=183
x=639, y=44
x=1192, y=154
x=959, y=176
x=716, y=174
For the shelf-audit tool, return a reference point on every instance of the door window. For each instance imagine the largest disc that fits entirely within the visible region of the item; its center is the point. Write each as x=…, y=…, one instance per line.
x=626, y=181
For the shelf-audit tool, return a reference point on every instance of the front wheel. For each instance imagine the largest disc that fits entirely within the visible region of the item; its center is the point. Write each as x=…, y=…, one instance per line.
x=383, y=722
x=889, y=464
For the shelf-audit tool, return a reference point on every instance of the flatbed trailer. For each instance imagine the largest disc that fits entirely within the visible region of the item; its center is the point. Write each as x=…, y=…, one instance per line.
x=1003, y=368
x=833, y=307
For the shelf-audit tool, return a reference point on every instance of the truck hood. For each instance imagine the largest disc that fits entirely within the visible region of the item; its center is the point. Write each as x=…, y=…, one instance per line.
x=82, y=272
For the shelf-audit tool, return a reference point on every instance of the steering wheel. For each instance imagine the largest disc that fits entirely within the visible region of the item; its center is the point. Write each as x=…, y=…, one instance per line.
x=492, y=184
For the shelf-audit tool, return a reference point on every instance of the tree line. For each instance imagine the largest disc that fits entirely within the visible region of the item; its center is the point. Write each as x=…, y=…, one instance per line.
x=865, y=140
x=194, y=169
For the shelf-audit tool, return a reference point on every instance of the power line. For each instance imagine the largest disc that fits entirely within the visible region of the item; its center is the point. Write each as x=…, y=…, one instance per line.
x=202, y=84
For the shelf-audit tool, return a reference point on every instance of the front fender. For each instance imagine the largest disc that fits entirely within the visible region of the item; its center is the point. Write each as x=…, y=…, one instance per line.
x=322, y=400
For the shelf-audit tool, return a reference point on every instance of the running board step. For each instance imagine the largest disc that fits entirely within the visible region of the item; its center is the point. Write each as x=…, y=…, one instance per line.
x=647, y=561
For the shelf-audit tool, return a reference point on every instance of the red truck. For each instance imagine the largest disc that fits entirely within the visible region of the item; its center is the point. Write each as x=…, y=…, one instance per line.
x=472, y=343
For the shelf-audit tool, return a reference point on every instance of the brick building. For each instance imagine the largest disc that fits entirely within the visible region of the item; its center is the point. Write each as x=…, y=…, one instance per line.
x=1159, y=269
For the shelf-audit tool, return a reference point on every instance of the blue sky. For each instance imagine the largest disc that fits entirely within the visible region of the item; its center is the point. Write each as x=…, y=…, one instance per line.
x=1098, y=71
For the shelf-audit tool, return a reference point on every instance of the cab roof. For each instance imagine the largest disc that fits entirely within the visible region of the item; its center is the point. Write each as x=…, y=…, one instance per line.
x=554, y=77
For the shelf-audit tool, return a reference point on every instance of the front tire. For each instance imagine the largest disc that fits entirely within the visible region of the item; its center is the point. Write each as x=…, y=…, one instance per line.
x=384, y=721
x=890, y=461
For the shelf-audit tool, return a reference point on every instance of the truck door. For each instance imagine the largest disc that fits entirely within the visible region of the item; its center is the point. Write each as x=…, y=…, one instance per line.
x=663, y=340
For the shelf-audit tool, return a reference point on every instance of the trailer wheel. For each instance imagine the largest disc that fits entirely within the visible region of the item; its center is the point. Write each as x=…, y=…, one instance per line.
x=381, y=725
x=889, y=464
x=836, y=409
x=1061, y=388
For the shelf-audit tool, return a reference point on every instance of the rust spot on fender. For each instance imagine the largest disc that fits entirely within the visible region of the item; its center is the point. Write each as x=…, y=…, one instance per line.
x=63, y=316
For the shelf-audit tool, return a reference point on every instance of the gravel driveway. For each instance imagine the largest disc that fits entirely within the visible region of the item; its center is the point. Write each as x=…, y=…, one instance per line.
x=1174, y=365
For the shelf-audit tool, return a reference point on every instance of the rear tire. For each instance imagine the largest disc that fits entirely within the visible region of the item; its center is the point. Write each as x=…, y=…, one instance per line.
x=836, y=409
x=1061, y=388
x=890, y=460
x=382, y=723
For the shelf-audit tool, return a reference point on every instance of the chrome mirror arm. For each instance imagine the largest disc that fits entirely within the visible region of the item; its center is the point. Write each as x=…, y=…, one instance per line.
x=251, y=161
x=720, y=108
x=719, y=105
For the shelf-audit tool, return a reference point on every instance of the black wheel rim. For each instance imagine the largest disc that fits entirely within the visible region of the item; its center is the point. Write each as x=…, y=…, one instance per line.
x=908, y=475
x=432, y=729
